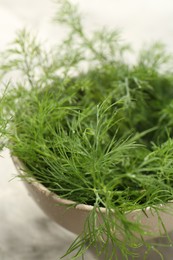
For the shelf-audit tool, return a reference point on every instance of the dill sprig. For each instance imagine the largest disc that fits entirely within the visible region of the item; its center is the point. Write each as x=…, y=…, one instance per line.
x=93, y=128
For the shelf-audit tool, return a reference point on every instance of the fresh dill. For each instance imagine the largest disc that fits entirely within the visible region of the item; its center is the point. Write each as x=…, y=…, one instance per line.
x=99, y=134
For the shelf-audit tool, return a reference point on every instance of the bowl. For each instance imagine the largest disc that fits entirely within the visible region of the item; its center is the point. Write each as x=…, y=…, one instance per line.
x=72, y=216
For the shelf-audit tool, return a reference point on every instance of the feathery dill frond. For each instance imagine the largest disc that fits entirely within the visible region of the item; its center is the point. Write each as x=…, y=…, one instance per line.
x=100, y=136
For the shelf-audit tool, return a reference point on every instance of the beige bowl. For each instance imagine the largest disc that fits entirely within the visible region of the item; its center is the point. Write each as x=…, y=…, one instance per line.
x=73, y=218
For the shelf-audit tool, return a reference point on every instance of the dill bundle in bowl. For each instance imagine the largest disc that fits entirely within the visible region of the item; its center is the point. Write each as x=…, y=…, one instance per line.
x=100, y=136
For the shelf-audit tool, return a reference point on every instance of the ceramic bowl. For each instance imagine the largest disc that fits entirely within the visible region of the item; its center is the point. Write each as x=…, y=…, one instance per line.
x=73, y=218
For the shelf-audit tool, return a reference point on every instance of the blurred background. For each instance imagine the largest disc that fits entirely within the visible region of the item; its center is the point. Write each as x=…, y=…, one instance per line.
x=25, y=232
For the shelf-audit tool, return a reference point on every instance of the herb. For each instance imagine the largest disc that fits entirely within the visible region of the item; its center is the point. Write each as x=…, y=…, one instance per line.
x=3, y=121
x=93, y=128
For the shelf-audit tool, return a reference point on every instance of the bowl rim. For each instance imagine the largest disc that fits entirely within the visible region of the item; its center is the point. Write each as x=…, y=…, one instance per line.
x=41, y=188
x=70, y=203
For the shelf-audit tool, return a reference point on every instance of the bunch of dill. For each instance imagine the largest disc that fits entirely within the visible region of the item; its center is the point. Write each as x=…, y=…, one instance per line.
x=101, y=135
